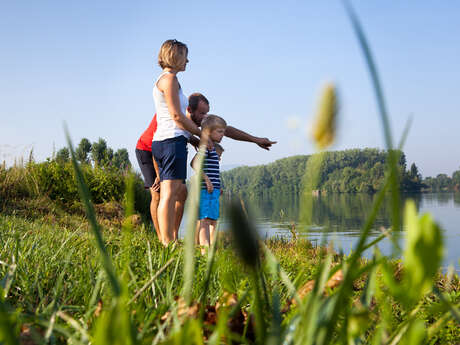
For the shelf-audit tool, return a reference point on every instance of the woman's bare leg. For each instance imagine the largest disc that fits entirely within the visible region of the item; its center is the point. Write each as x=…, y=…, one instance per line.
x=166, y=209
x=179, y=209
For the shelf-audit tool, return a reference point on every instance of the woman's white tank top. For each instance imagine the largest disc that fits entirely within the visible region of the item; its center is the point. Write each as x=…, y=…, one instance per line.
x=167, y=128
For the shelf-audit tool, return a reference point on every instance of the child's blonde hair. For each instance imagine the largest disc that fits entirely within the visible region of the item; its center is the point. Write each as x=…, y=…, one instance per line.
x=172, y=54
x=211, y=122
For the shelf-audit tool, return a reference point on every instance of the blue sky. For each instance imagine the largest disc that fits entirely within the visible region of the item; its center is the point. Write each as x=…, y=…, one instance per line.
x=261, y=64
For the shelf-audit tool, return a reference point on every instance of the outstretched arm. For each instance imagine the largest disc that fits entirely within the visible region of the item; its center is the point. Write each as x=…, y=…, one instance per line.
x=240, y=135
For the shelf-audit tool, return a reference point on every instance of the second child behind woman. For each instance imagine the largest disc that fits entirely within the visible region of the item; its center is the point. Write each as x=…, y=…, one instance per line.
x=212, y=127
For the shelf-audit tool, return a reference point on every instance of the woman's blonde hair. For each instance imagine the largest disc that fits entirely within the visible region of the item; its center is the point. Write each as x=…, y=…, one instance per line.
x=172, y=54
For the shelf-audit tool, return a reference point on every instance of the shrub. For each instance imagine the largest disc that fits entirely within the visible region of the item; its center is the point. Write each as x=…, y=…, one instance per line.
x=15, y=182
x=56, y=180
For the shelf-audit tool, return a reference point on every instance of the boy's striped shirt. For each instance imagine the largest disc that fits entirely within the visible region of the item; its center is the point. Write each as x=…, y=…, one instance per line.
x=211, y=169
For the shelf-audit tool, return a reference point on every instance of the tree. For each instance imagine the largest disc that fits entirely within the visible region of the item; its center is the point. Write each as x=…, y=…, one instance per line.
x=99, y=152
x=121, y=159
x=414, y=173
x=63, y=155
x=108, y=158
x=456, y=180
x=82, y=151
x=443, y=182
x=348, y=171
x=412, y=180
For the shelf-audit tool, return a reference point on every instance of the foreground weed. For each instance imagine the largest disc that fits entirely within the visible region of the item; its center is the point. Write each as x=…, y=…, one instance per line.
x=114, y=326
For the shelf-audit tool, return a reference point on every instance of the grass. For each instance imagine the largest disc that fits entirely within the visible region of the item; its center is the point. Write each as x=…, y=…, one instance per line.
x=72, y=259
x=58, y=274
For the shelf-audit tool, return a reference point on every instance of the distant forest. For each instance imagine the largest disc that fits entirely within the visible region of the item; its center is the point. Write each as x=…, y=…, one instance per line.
x=348, y=171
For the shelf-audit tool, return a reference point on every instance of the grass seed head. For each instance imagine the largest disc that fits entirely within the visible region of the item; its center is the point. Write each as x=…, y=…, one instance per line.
x=324, y=126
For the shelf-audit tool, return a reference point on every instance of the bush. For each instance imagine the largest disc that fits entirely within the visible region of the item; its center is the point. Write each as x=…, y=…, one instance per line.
x=15, y=182
x=141, y=199
x=56, y=180
x=104, y=183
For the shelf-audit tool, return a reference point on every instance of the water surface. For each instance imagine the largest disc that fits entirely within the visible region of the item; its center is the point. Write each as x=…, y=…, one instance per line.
x=340, y=218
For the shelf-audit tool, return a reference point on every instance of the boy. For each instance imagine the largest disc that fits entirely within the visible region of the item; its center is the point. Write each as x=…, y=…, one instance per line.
x=213, y=127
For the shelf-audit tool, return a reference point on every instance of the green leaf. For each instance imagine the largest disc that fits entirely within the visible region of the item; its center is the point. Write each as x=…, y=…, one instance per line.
x=115, y=327
x=415, y=334
x=7, y=326
x=423, y=252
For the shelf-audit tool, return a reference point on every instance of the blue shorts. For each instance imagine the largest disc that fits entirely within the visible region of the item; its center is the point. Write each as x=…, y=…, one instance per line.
x=209, y=204
x=144, y=158
x=171, y=156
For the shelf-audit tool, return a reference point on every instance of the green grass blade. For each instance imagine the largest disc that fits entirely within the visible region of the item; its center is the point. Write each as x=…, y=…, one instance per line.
x=7, y=334
x=189, y=252
x=392, y=154
x=209, y=267
x=151, y=280
x=91, y=214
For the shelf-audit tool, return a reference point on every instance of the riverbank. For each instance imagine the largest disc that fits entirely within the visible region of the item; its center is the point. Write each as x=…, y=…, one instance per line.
x=52, y=276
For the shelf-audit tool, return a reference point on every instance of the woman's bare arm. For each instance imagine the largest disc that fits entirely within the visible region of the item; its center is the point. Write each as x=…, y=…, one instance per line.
x=170, y=87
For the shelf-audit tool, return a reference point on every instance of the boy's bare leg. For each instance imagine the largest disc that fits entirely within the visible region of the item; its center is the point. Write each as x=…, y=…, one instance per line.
x=179, y=209
x=212, y=230
x=166, y=209
x=154, y=211
x=204, y=232
x=197, y=232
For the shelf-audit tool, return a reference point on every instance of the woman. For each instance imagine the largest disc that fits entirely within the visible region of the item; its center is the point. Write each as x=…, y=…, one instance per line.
x=169, y=145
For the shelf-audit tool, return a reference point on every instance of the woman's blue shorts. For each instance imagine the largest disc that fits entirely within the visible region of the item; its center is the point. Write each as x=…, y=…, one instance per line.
x=171, y=156
x=209, y=204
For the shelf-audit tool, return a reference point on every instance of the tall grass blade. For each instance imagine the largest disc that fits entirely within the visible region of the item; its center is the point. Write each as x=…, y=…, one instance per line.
x=272, y=261
x=7, y=333
x=189, y=252
x=151, y=280
x=392, y=154
x=94, y=295
x=247, y=246
x=5, y=283
x=209, y=266
x=75, y=325
x=91, y=214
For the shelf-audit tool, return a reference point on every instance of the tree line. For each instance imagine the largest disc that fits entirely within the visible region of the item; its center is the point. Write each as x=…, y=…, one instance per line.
x=443, y=182
x=97, y=153
x=347, y=171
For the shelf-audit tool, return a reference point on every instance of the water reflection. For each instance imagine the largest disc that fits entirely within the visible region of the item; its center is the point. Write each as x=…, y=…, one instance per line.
x=331, y=212
x=457, y=198
x=342, y=216
x=442, y=198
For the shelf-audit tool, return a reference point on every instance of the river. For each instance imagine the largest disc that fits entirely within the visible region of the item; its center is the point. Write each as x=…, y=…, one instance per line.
x=340, y=217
